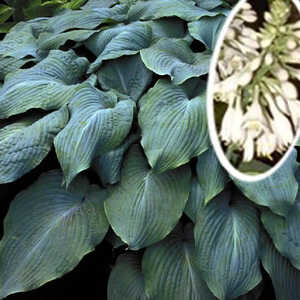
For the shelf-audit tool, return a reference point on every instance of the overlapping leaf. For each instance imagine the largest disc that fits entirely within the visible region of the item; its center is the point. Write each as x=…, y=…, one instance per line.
x=126, y=280
x=285, y=278
x=214, y=181
x=227, y=235
x=174, y=126
x=278, y=191
x=155, y=9
x=86, y=18
x=48, y=85
x=118, y=41
x=108, y=165
x=98, y=124
x=206, y=30
x=170, y=269
x=173, y=57
x=195, y=201
x=23, y=145
x=145, y=206
x=127, y=75
x=284, y=232
x=48, y=230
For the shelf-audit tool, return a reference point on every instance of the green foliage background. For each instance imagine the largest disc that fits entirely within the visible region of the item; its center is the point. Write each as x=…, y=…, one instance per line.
x=112, y=96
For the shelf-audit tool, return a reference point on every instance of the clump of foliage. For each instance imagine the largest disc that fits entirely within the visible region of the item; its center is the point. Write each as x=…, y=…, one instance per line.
x=20, y=10
x=117, y=89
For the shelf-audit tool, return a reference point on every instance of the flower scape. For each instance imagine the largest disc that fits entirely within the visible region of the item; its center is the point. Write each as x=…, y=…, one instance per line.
x=258, y=79
x=104, y=148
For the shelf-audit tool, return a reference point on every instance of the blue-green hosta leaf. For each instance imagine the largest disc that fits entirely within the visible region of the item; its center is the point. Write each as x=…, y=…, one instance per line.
x=209, y=4
x=98, y=124
x=99, y=3
x=145, y=206
x=108, y=165
x=227, y=234
x=118, y=41
x=206, y=30
x=255, y=294
x=214, y=181
x=54, y=41
x=285, y=278
x=48, y=230
x=174, y=57
x=23, y=145
x=19, y=42
x=126, y=280
x=195, y=201
x=86, y=18
x=174, y=126
x=170, y=269
x=156, y=9
x=11, y=64
x=127, y=75
x=284, y=232
x=48, y=85
x=168, y=27
x=278, y=191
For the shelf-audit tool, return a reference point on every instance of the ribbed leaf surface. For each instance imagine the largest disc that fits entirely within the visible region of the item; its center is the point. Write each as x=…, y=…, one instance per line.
x=145, y=206
x=227, y=234
x=48, y=230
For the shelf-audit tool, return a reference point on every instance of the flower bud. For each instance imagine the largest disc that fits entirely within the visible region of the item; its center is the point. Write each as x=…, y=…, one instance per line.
x=297, y=34
x=249, y=42
x=230, y=35
x=249, y=32
x=245, y=78
x=255, y=63
x=246, y=6
x=269, y=59
x=266, y=42
x=295, y=25
x=291, y=44
x=280, y=73
x=268, y=17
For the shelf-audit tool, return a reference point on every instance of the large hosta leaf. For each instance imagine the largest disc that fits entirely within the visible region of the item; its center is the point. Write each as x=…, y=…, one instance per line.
x=207, y=29
x=99, y=3
x=118, y=41
x=54, y=41
x=98, y=124
x=209, y=4
x=170, y=268
x=227, y=245
x=173, y=57
x=108, y=165
x=127, y=75
x=145, y=206
x=48, y=230
x=174, y=126
x=284, y=232
x=214, y=181
x=155, y=9
x=86, y=19
x=285, y=278
x=278, y=191
x=23, y=145
x=126, y=280
x=48, y=85
x=195, y=201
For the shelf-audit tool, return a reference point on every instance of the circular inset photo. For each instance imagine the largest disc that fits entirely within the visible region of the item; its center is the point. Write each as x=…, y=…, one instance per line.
x=254, y=87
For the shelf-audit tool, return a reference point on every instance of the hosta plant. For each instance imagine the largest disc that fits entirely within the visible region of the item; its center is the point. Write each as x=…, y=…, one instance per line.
x=113, y=98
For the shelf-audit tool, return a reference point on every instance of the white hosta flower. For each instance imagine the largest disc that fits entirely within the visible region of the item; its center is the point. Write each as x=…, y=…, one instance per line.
x=294, y=107
x=295, y=25
x=248, y=16
x=255, y=123
x=280, y=73
x=231, y=131
x=268, y=17
x=289, y=90
x=266, y=144
x=249, y=32
x=245, y=49
x=280, y=124
x=255, y=63
x=282, y=104
x=249, y=42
